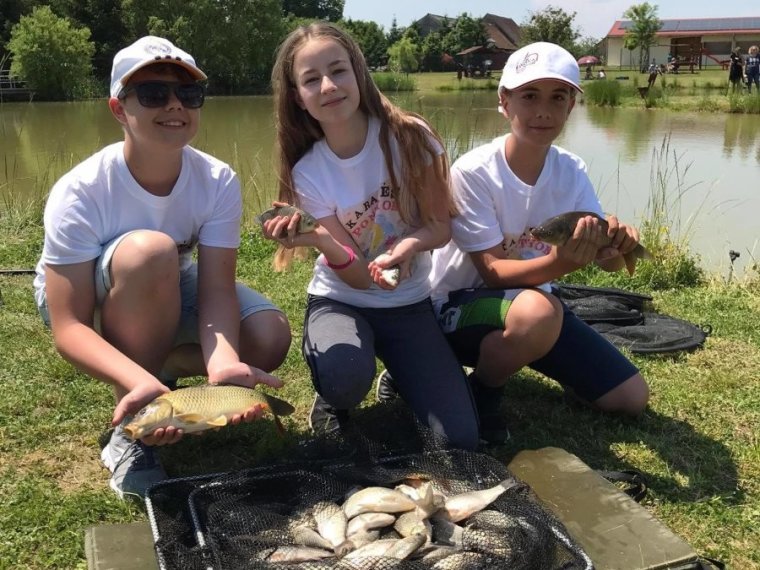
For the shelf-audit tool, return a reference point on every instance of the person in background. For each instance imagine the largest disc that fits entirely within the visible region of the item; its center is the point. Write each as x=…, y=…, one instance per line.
x=116, y=282
x=736, y=69
x=601, y=74
x=752, y=69
x=491, y=283
x=376, y=179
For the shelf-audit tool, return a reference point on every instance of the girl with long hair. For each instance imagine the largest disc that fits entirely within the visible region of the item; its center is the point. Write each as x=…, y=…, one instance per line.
x=375, y=177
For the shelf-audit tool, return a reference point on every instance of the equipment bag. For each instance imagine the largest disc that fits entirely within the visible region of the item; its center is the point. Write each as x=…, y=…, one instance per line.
x=625, y=319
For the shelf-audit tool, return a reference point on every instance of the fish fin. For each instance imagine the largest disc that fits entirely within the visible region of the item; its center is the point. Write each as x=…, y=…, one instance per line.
x=278, y=424
x=630, y=263
x=198, y=418
x=642, y=252
x=279, y=407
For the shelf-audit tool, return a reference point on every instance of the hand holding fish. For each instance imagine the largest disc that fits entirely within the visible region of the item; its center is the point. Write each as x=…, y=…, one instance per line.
x=583, y=245
x=242, y=374
x=624, y=238
x=134, y=401
x=288, y=225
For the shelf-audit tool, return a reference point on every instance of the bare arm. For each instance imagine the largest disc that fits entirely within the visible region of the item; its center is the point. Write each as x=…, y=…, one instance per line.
x=433, y=234
x=70, y=291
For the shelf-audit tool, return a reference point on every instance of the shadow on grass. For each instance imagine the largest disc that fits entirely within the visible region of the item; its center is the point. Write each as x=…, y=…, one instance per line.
x=680, y=464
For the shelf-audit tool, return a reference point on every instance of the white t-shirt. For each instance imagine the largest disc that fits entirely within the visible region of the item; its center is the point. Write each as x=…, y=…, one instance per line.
x=99, y=199
x=496, y=207
x=358, y=191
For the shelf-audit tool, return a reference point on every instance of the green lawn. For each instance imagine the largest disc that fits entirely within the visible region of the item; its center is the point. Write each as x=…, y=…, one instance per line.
x=697, y=443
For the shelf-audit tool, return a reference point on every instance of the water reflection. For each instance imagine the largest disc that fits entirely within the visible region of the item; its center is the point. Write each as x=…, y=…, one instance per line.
x=717, y=155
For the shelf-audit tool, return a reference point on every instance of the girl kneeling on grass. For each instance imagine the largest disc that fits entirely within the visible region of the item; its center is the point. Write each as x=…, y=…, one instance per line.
x=376, y=179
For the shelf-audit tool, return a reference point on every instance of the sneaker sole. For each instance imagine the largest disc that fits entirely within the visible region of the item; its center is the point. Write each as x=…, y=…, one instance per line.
x=110, y=464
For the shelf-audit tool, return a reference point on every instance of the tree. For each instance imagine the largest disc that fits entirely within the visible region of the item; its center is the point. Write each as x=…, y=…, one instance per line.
x=404, y=55
x=466, y=32
x=395, y=33
x=587, y=46
x=370, y=37
x=331, y=10
x=643, y=31
x=51, y=54
x=11, y=11
x=550, y=25
x=432, y=52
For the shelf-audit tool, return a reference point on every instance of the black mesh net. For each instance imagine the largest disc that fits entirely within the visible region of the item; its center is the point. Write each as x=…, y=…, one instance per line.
x=266, y=517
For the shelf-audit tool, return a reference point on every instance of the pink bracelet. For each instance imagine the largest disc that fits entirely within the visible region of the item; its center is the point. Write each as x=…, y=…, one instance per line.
x=351, y=259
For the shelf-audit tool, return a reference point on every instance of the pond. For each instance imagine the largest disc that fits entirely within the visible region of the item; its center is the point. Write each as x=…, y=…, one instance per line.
x=708, y=162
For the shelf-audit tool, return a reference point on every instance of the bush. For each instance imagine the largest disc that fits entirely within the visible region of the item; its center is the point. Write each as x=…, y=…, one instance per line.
x=602, y=92
x=51, y=55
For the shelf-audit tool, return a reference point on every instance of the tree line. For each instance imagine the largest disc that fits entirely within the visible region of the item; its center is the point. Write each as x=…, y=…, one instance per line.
x=63, y=49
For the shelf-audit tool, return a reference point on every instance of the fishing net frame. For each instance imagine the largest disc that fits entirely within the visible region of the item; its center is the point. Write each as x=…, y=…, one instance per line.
x=234, y=520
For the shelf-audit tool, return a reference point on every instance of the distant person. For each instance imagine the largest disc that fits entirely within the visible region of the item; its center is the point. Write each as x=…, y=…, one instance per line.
x=601, y=74
x=654, y=71
x=117, y=283
x=589, y=73
x=752, y=69
x=736, y=69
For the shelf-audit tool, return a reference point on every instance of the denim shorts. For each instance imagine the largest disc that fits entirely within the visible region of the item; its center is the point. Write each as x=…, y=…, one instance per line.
x=581, y=359
x=250, y=301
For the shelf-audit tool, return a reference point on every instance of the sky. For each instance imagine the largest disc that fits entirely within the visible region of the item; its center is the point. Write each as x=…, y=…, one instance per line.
x=593, y=18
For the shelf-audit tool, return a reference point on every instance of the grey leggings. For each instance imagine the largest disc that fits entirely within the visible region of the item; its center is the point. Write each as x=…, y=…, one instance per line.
x=340, y=343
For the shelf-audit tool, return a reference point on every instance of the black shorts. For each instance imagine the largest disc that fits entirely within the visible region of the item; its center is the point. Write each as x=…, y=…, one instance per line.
x=581, y=359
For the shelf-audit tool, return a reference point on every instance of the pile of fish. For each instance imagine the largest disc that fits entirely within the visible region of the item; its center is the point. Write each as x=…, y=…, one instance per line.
x=414, y=520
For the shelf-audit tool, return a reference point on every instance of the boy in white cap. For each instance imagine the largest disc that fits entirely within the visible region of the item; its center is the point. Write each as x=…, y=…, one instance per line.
x=491, y=282
x=116, y=281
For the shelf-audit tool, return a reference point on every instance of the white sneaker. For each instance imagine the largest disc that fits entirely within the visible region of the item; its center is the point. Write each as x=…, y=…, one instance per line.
x=134, y=465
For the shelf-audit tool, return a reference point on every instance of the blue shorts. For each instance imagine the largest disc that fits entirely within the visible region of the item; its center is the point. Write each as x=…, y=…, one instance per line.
x=581, y=359
x=250, y=301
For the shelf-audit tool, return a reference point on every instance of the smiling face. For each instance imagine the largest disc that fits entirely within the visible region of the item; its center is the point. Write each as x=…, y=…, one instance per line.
x=169, y=127
x=538, y=111
x=325, y=83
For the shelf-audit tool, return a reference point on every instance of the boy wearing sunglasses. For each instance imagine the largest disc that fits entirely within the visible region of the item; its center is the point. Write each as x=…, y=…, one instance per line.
x=116, y=281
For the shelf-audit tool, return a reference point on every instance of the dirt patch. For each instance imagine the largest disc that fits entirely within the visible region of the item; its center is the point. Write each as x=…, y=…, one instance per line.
x=74, y=466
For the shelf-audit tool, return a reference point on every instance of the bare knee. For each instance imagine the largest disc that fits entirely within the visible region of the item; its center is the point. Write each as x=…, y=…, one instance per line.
x=629, y=398
x=147, y=257
x=265, y=339
x=536, y=318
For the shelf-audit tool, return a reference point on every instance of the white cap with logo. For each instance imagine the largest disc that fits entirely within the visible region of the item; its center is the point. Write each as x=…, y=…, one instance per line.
x=540, y=60
x=145, y=51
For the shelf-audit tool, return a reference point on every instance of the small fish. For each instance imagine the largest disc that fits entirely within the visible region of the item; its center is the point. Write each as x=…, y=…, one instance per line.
x=407, y=546
x=373, y=549
x=412, y=522
x=298, y=554
x=331, y=522
x=307, y=536
x=559, y=229
x=377, y=500
x=459, y=507
x=306, y=224
x=369, y=521
x=199, y=408
x=391, y=274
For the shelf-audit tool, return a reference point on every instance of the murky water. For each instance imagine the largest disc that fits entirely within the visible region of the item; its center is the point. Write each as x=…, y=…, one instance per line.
x=711, y=166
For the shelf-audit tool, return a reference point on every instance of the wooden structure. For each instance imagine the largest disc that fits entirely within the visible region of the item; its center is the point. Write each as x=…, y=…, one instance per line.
x=693, y=42
x=12, y=88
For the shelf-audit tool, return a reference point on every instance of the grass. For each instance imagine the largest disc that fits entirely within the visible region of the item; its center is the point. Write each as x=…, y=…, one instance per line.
x=697, y=443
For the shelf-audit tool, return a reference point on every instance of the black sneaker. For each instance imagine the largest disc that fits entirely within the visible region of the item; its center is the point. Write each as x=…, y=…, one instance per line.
x=386, y=388
x=324, y=419
x=493, y=424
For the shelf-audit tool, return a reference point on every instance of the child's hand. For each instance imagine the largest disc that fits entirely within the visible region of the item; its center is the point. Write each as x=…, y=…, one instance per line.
x=624, y=239
x=582, y=247
x=242, y=374
x=388, y=261
x=138, y=398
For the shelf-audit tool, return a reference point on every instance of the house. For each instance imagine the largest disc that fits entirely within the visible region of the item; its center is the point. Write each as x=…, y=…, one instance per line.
x=502, y=38
x=707, y=42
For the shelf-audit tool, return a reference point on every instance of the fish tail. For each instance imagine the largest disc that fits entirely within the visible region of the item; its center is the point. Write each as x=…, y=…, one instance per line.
x=278, y=425
x=630, y=262
x=642, y=252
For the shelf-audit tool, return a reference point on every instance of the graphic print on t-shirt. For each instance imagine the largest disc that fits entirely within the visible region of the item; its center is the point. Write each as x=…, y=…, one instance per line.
x=375, y=223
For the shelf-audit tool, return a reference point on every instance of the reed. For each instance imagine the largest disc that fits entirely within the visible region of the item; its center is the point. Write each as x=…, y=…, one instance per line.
x=389, y=82
x=602, y=93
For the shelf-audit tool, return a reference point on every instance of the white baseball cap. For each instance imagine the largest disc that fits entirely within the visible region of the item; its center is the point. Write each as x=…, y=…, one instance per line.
x=540, y=60
x=145, y=51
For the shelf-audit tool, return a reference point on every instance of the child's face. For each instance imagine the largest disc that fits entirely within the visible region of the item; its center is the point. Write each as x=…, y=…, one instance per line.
x=538, y=111
x=171, y=126
x=326, y=86
x=753, y=51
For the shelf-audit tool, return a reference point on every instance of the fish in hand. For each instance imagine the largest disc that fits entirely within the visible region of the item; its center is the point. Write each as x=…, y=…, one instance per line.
x=199, y=408
x=559, y=229
x=307, y=223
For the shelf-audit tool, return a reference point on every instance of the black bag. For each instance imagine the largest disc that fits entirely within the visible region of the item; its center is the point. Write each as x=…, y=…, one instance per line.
x=625, y=319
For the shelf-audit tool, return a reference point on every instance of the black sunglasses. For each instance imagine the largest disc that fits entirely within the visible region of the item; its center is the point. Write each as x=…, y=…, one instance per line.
x=154, y=94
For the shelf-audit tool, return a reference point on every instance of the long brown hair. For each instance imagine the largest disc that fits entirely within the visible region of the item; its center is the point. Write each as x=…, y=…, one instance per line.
x=297, y=130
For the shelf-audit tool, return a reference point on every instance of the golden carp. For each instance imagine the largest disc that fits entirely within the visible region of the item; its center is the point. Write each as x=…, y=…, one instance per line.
x=199, y=408
x=559, y=229
x=306, y=224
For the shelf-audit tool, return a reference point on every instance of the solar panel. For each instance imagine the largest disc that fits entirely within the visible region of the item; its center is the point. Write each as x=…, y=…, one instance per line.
x=703, y=24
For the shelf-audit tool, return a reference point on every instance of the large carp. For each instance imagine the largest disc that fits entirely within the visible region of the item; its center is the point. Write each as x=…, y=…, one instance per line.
x=559, y=229
x=199, y=408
